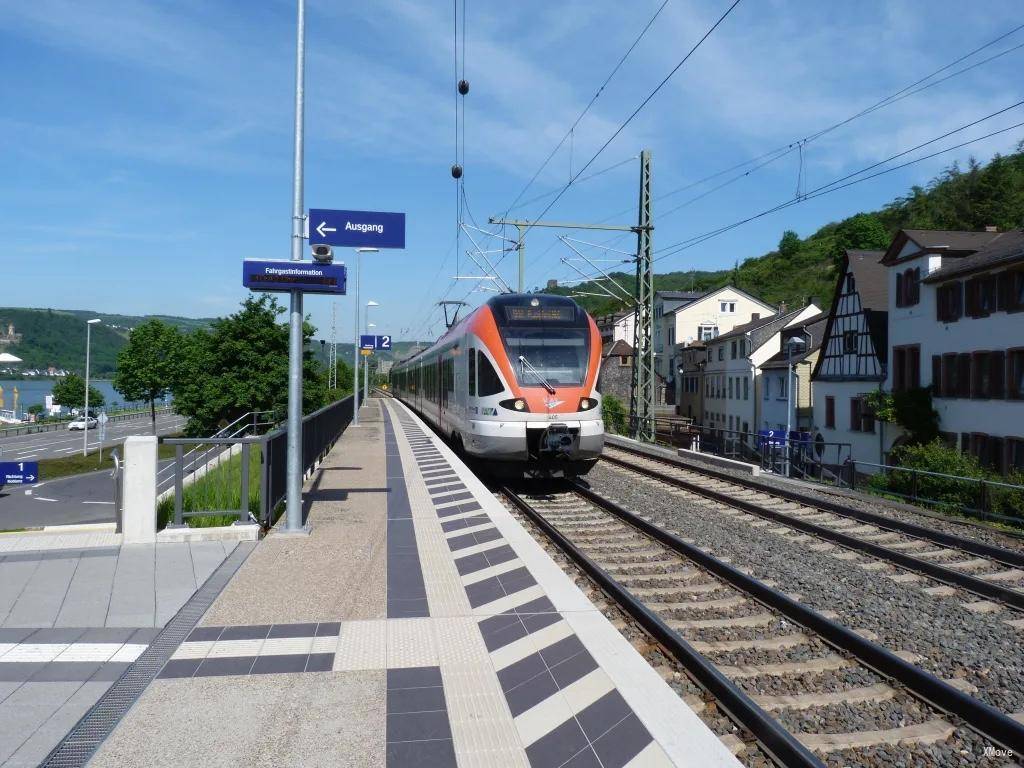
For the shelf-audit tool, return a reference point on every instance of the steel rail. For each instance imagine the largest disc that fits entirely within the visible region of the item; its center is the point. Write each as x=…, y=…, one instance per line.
x=782, y=745
x=979, y=716
x=1002, y=555
x=1005, y=595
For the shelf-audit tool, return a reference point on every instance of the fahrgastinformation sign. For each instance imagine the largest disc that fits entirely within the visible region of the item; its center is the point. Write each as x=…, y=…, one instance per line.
x=356, y=229
x=305, y=276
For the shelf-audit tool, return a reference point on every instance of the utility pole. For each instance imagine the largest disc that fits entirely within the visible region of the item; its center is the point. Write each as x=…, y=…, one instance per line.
x=293, y=484
x=641, y=397
x=332, y=356
x=521, y=251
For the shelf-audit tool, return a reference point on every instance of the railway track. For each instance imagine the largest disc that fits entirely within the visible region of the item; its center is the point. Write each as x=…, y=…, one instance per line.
x=808, y=690
x=912, y=553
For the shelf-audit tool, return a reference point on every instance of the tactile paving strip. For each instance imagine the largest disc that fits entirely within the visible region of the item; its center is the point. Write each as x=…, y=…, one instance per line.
x=78, y=746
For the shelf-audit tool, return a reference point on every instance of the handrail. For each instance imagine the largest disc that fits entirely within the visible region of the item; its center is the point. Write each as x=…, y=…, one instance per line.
x=987, y=481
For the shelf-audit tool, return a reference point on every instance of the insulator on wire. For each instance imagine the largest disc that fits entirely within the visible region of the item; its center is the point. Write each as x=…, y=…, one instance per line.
x=456, y=171
x=463, y=87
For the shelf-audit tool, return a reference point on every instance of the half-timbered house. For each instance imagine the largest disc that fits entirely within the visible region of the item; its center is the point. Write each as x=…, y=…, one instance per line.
x=853, y=359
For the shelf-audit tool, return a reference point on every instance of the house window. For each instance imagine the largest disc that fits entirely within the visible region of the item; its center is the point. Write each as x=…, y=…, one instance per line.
x=730, y=387
x=783, y=387
x=861, y=418
x=623, y=360
x=849, y=342
x=732, y=350
x=721, y=352
x=707, y=332
x=830, y=412
x=1015, y=374
x=906, y=372
x=746, y=388
x=671, y=336
x=908, y=287
x=981, y=296
x=849, y=282
x=949, y=300
x=767, y=387
x=727, y=307
x=981, y=375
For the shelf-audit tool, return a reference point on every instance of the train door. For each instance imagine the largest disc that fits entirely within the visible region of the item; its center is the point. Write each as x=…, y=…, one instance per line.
x=442, y=392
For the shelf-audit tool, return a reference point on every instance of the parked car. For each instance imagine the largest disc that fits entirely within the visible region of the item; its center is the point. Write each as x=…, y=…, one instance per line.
x=83, y=422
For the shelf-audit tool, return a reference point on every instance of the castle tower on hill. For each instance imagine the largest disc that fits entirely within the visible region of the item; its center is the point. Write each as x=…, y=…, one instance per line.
x=10, y=337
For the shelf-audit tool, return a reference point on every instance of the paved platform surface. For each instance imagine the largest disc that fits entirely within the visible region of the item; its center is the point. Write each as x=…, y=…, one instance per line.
x=418, y=625
x=76, y=609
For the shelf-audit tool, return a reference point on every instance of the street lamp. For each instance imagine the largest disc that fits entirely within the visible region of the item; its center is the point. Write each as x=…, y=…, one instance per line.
x=88, y=340
x=366, y=363
x=355, y=351
x=794, y=345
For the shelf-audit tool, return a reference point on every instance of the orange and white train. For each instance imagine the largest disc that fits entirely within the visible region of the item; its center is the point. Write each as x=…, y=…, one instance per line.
x=513, y=384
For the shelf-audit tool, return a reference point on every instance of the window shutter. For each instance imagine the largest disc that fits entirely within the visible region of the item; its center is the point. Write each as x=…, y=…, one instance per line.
x=997, y=374
x=830, y=412
x=914, y=362
x=937, y=375
x=899, y=289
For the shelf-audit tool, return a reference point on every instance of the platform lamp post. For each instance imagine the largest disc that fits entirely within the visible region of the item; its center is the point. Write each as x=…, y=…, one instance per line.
x=88, y=341
x=794, y=345
x=355, y=351
x=366, y=363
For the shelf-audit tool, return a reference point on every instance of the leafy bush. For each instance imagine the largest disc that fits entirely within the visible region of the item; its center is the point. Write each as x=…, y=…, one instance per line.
x=946, y=493
x=614, y=414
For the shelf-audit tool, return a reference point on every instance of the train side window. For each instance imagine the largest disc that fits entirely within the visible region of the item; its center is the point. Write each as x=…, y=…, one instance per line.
x=471, y=359
x=488, y=382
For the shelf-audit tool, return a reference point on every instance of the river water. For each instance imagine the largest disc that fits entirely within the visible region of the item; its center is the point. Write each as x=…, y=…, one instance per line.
x=32, y=391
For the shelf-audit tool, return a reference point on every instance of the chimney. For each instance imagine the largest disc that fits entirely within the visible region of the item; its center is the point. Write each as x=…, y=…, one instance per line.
x=755, y=316
x=990, y=228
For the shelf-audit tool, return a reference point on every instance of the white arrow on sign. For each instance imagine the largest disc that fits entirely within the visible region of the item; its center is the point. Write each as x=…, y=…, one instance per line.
x=323, y=229
x=30, y=478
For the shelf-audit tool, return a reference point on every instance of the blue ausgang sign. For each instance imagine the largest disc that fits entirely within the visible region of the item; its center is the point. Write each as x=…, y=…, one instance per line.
x=305, y=276
x=19, y=472
x=374, y=342
x=356, y=229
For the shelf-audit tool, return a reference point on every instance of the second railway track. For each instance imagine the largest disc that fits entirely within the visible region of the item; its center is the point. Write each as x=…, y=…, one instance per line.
x=993, y=574
x=803, y=685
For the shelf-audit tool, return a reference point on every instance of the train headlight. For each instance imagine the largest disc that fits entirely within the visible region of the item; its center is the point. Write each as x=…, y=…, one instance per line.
x=586, y=403
x=518, y=404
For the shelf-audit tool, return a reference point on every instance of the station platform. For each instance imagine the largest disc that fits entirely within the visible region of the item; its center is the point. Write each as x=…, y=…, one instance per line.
x=418, y=624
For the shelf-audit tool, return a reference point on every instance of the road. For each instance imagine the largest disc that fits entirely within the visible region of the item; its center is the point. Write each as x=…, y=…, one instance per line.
x=77, y=499
x=62, y=442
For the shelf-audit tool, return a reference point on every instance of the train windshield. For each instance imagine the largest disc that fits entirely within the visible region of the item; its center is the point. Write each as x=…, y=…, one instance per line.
x=547, y=355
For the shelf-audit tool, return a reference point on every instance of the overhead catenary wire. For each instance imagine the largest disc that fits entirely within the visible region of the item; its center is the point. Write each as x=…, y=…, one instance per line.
x=919, y=85
x=848, y=180
x=586, y=109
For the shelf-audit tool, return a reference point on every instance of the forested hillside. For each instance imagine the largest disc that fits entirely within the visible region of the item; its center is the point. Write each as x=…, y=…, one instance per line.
x=970, y=199
x=57, y=337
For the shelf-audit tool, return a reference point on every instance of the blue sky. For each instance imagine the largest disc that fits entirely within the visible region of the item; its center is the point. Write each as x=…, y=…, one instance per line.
x=146, y=146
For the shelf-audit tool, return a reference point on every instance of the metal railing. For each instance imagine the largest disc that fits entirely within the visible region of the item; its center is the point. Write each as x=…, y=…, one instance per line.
x=978, y=496
x=320, y=430
x=61, y=423
x=805, y=458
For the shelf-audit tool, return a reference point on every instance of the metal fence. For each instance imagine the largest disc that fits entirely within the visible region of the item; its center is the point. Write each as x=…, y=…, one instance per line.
x=977, y=496
x=806, y=459
x=320, y=430
x=62, y=423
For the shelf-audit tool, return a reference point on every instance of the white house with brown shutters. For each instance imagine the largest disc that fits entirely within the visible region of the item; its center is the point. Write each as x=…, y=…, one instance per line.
x=853, y=360
x=956, y=322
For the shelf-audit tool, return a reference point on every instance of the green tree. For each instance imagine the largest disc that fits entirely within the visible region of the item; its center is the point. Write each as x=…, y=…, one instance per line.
x=70, y=392
x=241, y=365
x=789, y=245
x=148, y=366
x=865, y=231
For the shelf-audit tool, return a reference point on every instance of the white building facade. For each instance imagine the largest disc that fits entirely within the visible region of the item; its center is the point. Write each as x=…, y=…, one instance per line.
x=956, y=323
